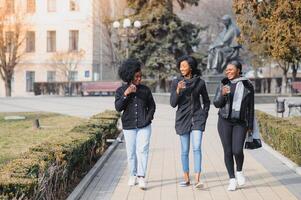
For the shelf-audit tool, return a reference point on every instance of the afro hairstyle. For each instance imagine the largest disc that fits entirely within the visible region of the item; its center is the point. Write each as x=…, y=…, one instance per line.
x=128, y=69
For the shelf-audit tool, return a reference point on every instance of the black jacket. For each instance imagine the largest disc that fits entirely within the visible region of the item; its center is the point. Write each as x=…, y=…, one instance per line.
x=138, y=108
x=224, y=103
x=190, y=114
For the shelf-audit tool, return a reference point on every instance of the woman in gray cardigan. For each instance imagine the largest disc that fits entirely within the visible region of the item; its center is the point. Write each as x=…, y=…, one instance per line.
x=191, y=116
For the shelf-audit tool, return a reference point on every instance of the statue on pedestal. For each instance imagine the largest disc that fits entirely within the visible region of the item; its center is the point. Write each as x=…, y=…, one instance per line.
x=224, y=48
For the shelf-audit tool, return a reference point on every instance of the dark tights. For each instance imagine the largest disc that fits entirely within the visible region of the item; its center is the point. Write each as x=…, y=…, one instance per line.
x=232, y=137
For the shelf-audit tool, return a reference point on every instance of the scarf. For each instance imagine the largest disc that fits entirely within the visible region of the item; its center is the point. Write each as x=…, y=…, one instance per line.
x=237, y=98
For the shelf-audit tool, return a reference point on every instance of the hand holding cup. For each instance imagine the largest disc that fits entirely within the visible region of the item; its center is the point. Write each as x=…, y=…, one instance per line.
x=226, y=90
x=181, y=85
x=131, y=89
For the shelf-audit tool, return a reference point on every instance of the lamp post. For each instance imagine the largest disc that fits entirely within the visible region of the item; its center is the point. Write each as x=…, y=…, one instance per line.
x=128, y=30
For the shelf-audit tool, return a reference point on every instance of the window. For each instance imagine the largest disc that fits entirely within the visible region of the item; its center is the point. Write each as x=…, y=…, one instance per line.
x=10, y=6
x=73, y=40
x=87, y=74
x=51, y=41
x=31, y=6
x=73, y=75
x=51, y=5
x=30, y=41
x=74, y=5
x=9, y=41
x=50, y=76
x=30, y=78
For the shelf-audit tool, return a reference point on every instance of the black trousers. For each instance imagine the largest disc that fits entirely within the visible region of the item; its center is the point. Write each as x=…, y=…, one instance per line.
x=232, y=135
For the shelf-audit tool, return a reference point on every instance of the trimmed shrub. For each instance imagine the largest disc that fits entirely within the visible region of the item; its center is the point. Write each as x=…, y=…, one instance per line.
x=284, y=135
x=47, y=170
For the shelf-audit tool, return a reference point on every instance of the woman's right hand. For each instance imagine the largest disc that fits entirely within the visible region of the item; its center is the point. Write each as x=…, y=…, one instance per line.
x=225, y=90
x=131, y=89
x=181, y=85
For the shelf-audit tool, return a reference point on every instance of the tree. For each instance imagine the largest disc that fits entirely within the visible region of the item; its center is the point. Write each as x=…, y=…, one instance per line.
x=295, y=66
x=251, y=33
x=11, y=40
x=141, y=4
x=276, y=24
x=163, y=36
x=101, y=20
x=66, y=63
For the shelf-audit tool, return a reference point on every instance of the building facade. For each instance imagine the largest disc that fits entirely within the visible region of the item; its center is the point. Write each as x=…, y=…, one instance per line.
x=51, y=26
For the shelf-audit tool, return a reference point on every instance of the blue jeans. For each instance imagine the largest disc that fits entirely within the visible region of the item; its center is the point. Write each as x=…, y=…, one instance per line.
x=196, y=137
x=137, y=148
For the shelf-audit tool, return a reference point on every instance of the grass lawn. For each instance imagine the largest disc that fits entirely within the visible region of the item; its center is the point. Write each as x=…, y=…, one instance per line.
x=17, y=136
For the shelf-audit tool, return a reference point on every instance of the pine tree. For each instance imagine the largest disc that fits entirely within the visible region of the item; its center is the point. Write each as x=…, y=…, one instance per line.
x=162, y=38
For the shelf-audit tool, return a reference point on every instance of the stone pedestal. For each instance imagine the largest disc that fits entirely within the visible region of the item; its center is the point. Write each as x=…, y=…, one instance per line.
x=212, y=82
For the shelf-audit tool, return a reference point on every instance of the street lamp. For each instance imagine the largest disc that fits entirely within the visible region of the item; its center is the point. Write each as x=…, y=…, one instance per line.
x=128, y=30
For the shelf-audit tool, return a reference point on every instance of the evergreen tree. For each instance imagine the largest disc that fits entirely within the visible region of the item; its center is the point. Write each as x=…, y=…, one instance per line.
x=162, y=38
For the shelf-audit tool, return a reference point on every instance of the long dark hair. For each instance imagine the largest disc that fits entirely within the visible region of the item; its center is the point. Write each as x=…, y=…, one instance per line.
x=128, y=69
x=192, y=62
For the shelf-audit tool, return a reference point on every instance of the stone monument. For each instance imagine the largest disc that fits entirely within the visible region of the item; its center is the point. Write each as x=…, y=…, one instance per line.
x=224, y=48
x=221, y=51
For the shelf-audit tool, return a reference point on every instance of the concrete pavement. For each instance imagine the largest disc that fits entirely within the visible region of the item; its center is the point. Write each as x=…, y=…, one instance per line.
x=74, y=106
x=267, y=177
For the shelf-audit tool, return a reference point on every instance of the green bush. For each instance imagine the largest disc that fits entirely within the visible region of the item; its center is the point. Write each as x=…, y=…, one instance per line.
x=46, y=170
x=284, y=135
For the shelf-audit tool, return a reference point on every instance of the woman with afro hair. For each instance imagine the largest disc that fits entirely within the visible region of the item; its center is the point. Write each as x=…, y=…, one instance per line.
x=137, y=105
x=191, y=115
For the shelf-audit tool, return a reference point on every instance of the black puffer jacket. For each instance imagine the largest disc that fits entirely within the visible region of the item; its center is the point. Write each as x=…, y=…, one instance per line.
x=224, y=103
x=190, y=113
x=138, y=108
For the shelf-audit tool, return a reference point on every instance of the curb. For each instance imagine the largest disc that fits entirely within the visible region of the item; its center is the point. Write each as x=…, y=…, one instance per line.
x=290, y=164
x=82, y=186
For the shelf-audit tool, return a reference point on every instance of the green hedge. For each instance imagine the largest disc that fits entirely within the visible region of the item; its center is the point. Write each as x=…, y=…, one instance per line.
x=47, y=170
x=284, y=135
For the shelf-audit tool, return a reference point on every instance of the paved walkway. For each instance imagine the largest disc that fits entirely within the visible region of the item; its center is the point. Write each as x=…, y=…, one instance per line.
x=74, y=106
x=267, y=177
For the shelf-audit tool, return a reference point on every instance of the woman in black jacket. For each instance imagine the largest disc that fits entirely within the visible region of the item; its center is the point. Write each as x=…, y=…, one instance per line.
x=235, y=99
x=138, y=106
x=190, y=116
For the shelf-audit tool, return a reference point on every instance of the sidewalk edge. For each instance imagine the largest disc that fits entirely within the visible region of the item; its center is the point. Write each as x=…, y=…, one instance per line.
x=290, y=164
x=82, y=186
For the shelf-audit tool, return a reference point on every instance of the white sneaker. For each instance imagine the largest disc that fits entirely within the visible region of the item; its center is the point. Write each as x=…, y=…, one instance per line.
x=199, y=185
x=141, y=182
x=241, y=180
x=232, y=184
x=132, y=181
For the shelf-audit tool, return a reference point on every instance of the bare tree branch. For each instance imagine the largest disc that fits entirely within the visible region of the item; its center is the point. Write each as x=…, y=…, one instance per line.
x=11, y=41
